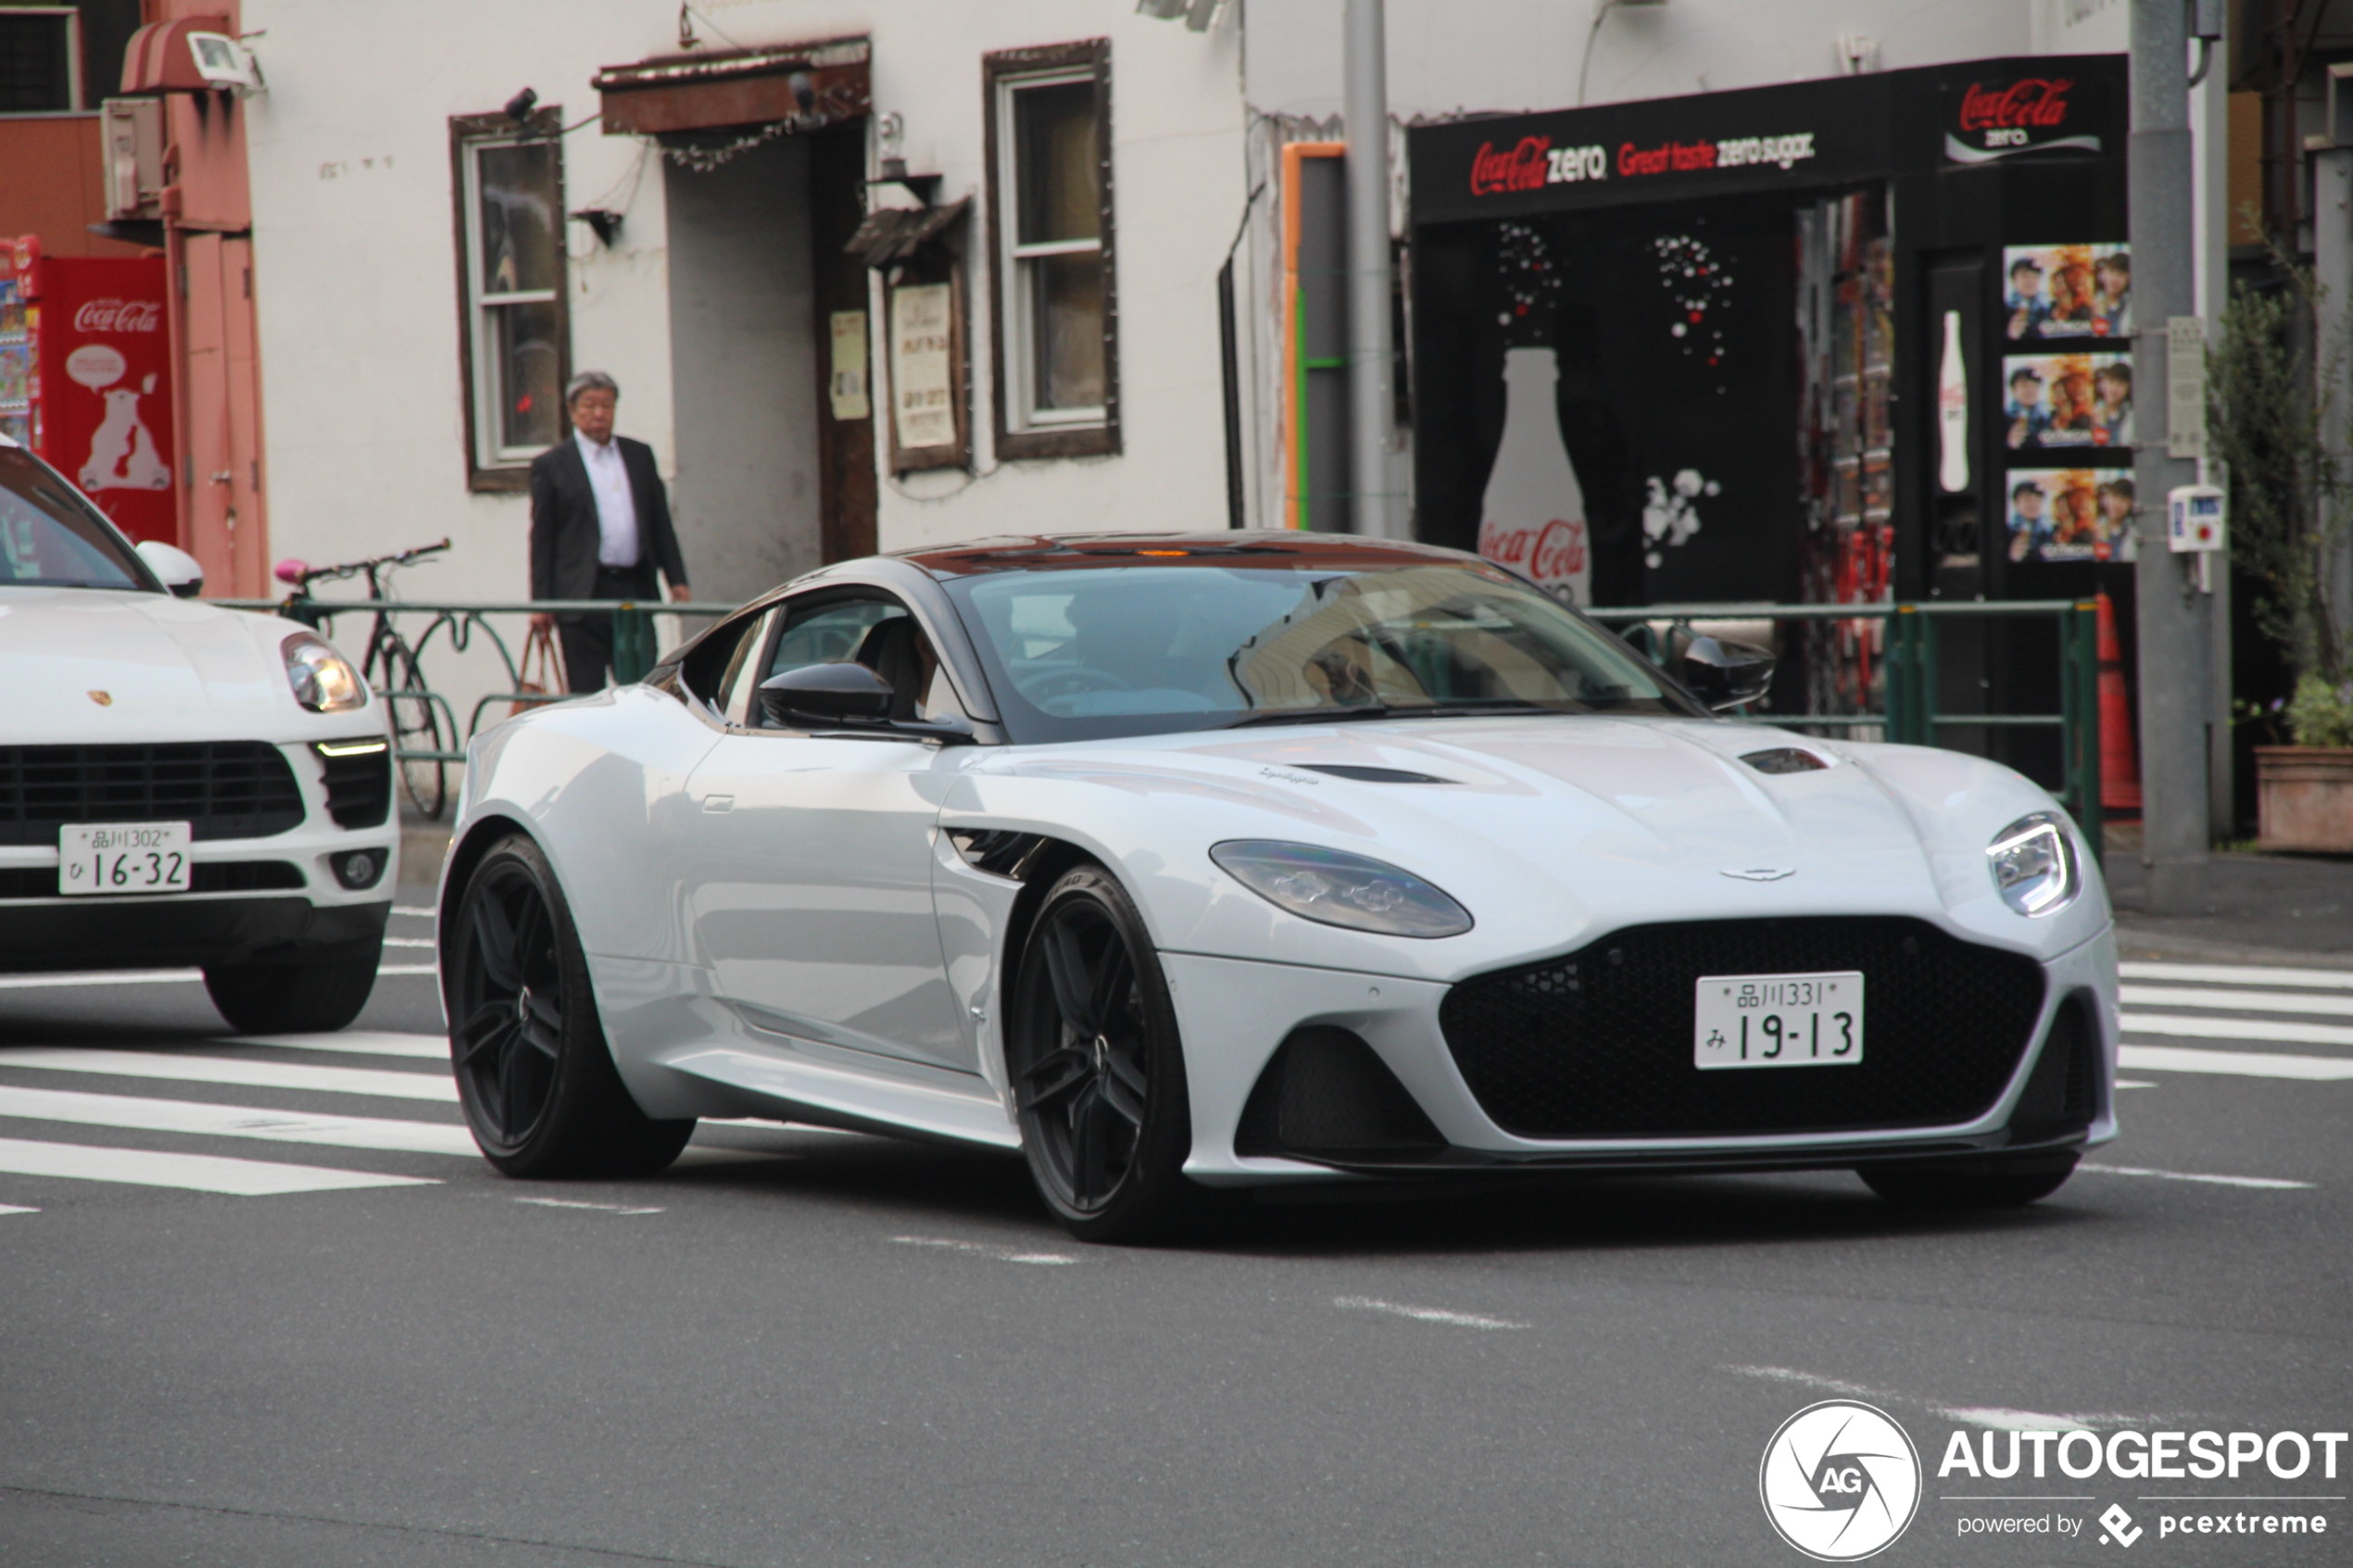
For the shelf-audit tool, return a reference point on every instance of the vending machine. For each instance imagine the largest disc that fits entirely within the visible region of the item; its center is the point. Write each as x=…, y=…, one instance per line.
x=86, y=378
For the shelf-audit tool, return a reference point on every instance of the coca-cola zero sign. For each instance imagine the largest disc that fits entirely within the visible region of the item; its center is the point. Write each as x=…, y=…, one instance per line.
x=1998, y=119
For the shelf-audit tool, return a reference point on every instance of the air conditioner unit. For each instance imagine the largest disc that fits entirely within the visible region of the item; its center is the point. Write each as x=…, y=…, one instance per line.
x=133, y=129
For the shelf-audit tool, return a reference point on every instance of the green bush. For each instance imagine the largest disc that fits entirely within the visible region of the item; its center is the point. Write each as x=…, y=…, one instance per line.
x=2320, y=714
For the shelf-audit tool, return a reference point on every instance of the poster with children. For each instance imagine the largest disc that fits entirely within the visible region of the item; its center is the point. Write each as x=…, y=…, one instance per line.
x=2057, y=400
x=2067, y=292
x=2070, y=514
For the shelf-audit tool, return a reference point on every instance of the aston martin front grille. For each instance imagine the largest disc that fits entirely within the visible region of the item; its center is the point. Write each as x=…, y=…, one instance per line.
x=224, y=789
x=1598, y=1043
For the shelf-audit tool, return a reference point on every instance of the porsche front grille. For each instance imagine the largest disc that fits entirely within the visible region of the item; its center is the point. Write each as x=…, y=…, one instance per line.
x=224, y=789
x=1598, y=1043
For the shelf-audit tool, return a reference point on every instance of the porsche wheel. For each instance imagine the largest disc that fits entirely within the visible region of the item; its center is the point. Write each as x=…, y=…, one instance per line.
x=1992, y=1181
x=1098, y=1074
x=534, y=1075
x=320, y=991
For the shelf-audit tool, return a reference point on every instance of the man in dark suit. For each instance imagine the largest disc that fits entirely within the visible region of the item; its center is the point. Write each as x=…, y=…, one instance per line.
x=599, y=528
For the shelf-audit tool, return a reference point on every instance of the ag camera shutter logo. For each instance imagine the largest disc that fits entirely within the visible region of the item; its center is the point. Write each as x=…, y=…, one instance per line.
x=1840, y=1481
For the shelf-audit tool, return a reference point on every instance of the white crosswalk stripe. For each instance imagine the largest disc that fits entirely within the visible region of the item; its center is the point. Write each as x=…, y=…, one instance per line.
x=230, y=1070
x=198, y=1172
x=235, y=1121
x=2243, y=1010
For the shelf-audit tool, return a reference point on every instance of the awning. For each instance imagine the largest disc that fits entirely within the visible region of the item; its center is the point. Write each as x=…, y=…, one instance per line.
x=159, y=59
x=804, y=85
x=892, y=234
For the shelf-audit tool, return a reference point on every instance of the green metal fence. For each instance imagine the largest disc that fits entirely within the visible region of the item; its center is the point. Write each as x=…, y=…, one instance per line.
x=430, y=733
x=1910, y=715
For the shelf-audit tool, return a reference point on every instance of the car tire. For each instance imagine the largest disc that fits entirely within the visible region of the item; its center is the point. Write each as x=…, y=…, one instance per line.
x=1990, y=1182
x=535, y=1077
x=1098, y=1069
x=316, y=993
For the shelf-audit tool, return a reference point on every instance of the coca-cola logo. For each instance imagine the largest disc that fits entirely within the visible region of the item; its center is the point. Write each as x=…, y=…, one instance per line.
x=1552, y=554
x=118, y=316
x=2032, y=102
x=1522, y=167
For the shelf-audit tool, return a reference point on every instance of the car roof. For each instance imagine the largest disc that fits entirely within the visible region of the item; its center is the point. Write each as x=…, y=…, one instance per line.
x=1281, y=549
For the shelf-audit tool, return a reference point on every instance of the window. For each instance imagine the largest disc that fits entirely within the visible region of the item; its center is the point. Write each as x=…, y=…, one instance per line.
x=1057, y=372
x=514, y=335
x=40, y=59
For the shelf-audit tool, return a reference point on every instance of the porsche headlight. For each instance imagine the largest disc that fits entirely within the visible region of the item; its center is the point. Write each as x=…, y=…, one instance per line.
x=324, y=681
x=1337, y=888
x=2034, y=866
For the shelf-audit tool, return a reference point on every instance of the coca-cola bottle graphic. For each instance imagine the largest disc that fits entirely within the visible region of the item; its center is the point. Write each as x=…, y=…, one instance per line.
x=1952, y=409
x=1533, y=516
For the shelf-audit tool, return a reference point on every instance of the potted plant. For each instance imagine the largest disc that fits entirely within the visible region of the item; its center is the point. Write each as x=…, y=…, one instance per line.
x=2273, y=419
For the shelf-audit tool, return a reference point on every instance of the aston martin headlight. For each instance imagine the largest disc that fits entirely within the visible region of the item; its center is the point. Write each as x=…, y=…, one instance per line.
x=1337, y=888
x=324, y=681
x=2034, y=866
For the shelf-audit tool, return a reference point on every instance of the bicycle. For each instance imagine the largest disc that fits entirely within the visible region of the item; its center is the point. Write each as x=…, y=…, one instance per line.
x=389, y=667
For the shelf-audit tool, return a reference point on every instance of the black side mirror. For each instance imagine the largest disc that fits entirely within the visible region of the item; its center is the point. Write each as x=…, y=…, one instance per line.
x=825, y=694
x=1725, y=675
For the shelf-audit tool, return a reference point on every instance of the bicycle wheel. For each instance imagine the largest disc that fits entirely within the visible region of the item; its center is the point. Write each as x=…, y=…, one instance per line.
x=416, y=726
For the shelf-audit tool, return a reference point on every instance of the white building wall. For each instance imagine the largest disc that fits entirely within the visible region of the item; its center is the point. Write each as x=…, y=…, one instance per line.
x=357, y=273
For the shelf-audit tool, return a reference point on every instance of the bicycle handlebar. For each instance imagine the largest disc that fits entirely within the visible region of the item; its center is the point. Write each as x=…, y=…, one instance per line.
x=302, y=574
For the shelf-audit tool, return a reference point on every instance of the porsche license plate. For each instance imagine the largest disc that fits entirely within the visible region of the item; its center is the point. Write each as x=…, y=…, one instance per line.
x=123, y=858
x=1777, y=1020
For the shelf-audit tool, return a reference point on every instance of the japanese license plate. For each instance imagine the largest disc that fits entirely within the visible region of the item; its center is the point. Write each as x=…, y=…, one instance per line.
x=1777, y=1020
x=123, y=858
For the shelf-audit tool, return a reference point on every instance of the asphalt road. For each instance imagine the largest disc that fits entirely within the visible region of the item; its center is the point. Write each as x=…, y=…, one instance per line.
x=810, y=1347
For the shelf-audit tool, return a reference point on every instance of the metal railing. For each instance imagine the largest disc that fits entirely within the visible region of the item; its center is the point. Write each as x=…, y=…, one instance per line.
x=428, y=736
x=1910, y=714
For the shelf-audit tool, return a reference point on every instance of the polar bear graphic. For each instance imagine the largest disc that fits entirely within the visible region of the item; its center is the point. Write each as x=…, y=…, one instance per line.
x=122, y=453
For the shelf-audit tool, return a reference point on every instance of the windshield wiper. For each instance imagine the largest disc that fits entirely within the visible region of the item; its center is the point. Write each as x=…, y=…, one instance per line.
x=1411, y=710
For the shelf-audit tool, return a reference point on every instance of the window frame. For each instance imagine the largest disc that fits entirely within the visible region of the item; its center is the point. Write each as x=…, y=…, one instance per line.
x=1018, y=430
x=490, y=466
x=77, y=68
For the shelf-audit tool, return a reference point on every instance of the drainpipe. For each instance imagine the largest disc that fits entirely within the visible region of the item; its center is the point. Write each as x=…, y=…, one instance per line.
x=1371, y=402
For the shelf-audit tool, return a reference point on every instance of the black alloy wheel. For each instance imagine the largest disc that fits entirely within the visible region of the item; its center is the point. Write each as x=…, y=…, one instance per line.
x=534, y=1075
x=1098, y=1072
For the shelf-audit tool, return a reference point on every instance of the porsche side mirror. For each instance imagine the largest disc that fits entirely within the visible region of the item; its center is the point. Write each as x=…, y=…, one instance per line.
x=823, y=695
x=177, y=570
x=1726, y=674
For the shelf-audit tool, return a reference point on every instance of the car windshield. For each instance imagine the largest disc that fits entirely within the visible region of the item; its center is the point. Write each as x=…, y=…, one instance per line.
x=51, y=538
x=1083, y=653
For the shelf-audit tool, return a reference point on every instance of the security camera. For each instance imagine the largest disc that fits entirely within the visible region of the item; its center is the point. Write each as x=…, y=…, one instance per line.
x=519, y=107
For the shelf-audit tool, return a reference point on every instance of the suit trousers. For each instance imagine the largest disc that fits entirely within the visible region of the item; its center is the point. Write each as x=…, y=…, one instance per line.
x=588, y=639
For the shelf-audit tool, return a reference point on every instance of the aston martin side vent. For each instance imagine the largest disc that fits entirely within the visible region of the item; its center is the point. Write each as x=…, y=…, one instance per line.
x=1325, y=1095
x=1362, y=774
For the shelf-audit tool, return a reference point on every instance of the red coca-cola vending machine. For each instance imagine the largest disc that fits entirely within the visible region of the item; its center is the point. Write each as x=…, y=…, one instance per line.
x=85, y=377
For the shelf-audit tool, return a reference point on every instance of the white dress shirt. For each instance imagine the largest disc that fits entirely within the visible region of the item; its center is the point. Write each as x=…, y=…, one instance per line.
x=616, y=508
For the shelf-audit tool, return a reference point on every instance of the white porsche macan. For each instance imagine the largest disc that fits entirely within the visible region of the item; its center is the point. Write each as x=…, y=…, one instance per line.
x=180, y=785
x=1193, y=862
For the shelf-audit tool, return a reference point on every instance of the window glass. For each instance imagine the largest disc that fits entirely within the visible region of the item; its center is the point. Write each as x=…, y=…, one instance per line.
x=829, y=633
x=36, y=64
x=521, y=228
x=526, y=366
x=709, y=668
x=1066, y=321
x=49, y=537
x=877, y=633
x=1081, y=652
x=1055, y=167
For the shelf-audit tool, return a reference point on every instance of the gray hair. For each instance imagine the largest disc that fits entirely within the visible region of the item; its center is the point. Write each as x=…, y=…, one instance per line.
x=589, y=381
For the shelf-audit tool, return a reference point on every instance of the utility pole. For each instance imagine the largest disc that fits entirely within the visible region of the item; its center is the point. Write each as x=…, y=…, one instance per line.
x=2175, y=619
x=1370, y=401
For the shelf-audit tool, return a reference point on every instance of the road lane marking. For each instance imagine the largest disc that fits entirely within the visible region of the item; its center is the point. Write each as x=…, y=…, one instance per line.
x=354, y=1042
x=982, y=1249
x=411, y=942
x=413, y=909
x=2245, y=1065
x=234, y=1122
x=2238, y=1002
x=194, y=1173
x=2134, y=1083
x=599, y=1208
x=2238, y=1029
x=16, y=1209
x=1422, y=1314
x=223, y=1070
x=408, y=969
x=1998, y=1418
x=2266, y=1181
x=2240, y=975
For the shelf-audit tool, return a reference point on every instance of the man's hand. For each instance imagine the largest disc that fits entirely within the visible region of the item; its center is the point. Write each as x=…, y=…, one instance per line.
x=541, y=621
x=680, y=593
